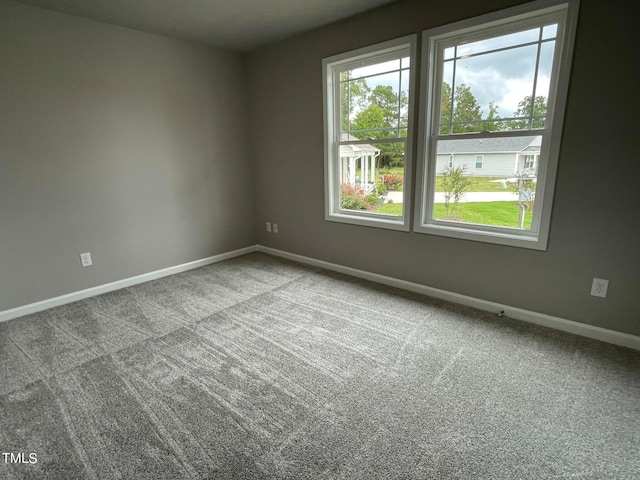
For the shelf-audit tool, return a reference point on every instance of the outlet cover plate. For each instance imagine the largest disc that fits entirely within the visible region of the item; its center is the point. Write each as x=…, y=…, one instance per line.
x=599, y=287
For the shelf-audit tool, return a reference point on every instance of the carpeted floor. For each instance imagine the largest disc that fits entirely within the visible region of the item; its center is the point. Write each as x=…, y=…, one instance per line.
x=260, y=368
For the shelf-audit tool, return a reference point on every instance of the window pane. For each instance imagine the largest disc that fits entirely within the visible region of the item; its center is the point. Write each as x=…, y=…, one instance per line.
x=489, y=91
x=486, y=89
x=550, y=31
x=542, y=86
x=449, y=53
x=446, y=99
x=488, y=181
x=375, y=69
x=375, y=106
x=504, y=41
x=372, y=178
x=372, y=135
x=353, y=96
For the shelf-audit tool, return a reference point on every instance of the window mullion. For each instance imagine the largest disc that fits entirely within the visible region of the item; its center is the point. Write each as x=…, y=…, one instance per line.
x=453, y=84
x=349, y=105
x=535, y=79
x=489, y=135
x=399, y=97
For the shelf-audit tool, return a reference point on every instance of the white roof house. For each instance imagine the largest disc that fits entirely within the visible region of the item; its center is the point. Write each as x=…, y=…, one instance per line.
x=358, y=155
x=490, y=157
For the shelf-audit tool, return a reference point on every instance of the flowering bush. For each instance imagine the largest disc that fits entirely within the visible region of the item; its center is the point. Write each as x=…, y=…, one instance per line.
x=393, y=182
x=354, y=198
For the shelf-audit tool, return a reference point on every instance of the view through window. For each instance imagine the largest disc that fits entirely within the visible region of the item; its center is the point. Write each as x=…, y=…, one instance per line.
x=491, y=106
x=487, y=88
x=374, y=109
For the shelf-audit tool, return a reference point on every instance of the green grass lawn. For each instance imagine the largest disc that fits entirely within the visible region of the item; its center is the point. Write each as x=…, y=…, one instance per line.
x=503, y=214
x=390, y=209
x=479, y=184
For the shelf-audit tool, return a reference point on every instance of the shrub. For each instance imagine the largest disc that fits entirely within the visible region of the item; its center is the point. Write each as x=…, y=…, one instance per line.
x=382, y=188
x=455, y=184
x=354, y=198
x=393, y=182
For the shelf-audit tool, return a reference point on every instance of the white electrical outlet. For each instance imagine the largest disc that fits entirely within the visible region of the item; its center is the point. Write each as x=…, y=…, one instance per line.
x=275, y=228
x=85, y=259
x=269, y=227
x=599, y=287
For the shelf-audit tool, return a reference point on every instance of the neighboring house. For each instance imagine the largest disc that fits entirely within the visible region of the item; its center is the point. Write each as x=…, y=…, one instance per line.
x=490, y=157
x=354, y=156
x=486, y=157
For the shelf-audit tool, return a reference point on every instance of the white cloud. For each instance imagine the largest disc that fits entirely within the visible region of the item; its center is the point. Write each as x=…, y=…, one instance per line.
x=516, y=90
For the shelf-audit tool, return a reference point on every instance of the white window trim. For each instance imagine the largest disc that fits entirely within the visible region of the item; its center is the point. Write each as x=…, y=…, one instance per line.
x=537, y=237
x=332, y=120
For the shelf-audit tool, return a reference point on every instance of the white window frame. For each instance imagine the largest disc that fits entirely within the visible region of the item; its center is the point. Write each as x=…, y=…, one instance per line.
x=537, y=236
x=481, y=162
x=332, y=122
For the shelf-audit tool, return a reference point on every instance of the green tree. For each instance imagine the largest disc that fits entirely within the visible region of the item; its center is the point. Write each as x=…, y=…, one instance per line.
x=525, y=110
x=379, y=112
x=371, y=118
x=384, y=97
x=445, y=108
x=493, y=118
x=465, y=109
x=353, y=97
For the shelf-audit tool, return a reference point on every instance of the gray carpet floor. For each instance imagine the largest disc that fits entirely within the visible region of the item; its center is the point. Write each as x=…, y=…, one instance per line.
x=260, y=368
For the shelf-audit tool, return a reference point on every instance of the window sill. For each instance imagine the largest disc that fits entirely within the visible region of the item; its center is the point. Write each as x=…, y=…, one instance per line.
x=519, y=238
x=370, y=220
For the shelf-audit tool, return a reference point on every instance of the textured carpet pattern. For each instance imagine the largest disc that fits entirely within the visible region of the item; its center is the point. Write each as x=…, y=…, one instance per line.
x=260, y=368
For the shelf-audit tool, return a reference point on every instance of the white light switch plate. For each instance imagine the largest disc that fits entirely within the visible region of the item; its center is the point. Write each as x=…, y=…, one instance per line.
x=85, y=259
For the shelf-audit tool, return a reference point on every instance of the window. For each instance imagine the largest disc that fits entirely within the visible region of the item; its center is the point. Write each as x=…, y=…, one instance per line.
x=451, y=160
x=494, y=89
x=368, y=107
x=529, y=162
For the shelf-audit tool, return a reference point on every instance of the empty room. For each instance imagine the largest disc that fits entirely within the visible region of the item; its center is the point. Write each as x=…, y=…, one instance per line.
x=320, y=239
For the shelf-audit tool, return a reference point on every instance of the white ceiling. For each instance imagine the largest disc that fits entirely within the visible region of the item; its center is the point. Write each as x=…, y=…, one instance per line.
x=240, y=25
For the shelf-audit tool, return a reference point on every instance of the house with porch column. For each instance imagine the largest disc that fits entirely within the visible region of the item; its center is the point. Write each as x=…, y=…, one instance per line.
x=490, y=157
x=358, y=156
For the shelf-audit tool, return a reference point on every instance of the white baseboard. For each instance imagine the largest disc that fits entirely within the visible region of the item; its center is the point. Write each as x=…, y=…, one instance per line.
x=127, y=282
x=570, y=326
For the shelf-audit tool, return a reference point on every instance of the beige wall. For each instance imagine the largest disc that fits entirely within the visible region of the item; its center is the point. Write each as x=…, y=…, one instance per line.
x=597, y=204
x=129, y=145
